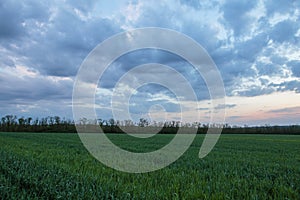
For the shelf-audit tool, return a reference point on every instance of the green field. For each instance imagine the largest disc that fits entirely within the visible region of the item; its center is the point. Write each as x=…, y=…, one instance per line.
x=57, y=166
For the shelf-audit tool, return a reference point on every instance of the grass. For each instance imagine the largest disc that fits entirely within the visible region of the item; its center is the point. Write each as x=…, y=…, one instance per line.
x=57, y=166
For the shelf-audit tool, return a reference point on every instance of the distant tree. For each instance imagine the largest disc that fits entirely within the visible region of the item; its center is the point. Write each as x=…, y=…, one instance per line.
x=128, y=122
x=83, y=121
x=143, y=122
x=100, y=122
x=111, y=122
x=28, y=121
x=57, y=120
x=21, y=121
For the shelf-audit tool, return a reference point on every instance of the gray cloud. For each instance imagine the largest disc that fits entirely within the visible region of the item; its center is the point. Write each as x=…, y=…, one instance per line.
x=34, y=88
x=269, y=69
x=295, y=66
x=203, y=109
x=193, y=4
x=250, y=49
x=10, y=28
x=235, y=15
x=286, y=110
x=280, y=6
x=15, y=16
x=284, y=31
x=293, y=85
x=54, y=41
x=227, y=106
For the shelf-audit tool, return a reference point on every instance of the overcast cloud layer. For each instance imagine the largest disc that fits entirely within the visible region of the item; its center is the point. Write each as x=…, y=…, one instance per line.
x=255, y=45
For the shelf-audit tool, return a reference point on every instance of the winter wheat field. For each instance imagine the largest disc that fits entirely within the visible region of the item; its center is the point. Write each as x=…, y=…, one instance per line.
x=57, y=166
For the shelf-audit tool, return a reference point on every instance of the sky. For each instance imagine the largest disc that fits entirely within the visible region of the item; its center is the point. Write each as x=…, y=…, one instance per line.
x=254, y=44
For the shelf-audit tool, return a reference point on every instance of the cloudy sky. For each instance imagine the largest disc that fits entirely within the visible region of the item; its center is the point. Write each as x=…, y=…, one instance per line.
x=255, y=45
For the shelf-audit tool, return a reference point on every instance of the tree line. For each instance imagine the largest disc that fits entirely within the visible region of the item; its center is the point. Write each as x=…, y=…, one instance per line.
x=12, y=123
